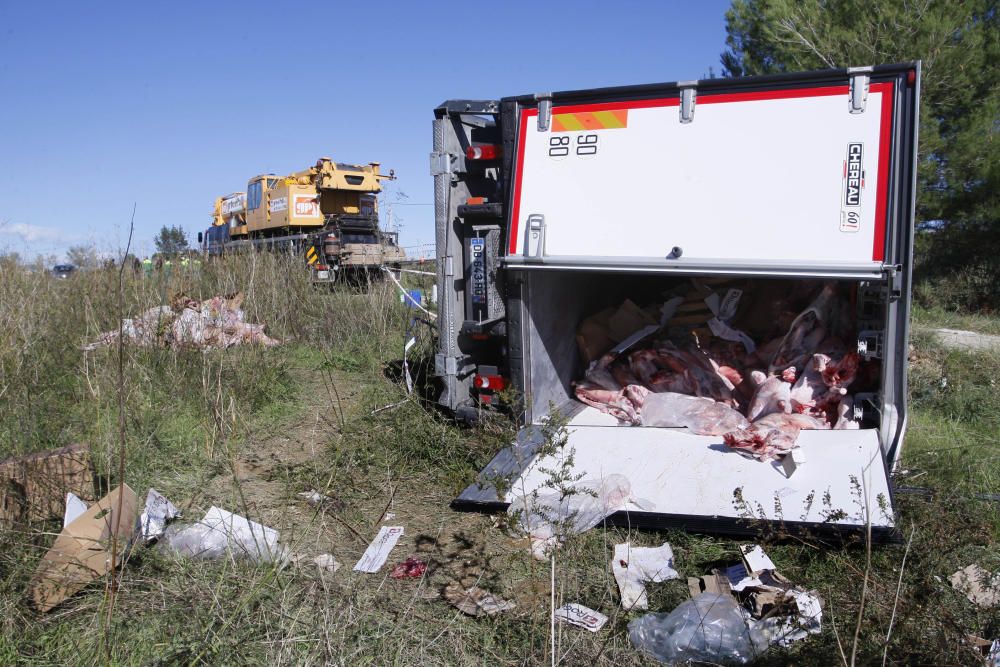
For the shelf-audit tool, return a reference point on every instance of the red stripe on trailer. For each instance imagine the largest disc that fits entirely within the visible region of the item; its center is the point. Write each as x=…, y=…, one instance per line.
x=760, y=95
x=515, y=214
x=884, y=149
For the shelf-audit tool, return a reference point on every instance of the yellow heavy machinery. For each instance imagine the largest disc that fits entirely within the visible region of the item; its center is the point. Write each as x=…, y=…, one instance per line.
x=328, y=213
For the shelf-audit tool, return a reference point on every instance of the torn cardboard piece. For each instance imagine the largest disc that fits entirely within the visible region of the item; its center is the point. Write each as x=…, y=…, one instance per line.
x=979, y=585
x=476, y=601
x=83, y=551
x=633, y=567
x=34, y=487
x=714, y=582
x=755, y=559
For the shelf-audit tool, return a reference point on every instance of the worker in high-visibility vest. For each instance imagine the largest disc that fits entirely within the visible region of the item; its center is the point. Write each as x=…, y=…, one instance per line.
x=147, y=267
x=184, y=262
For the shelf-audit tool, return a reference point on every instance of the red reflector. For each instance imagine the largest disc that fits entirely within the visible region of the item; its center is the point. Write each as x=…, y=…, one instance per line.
x=491, y=382
x=479, y=336
x=488, y=152
x=322, y=267
x=911, y=77
x=475, y=201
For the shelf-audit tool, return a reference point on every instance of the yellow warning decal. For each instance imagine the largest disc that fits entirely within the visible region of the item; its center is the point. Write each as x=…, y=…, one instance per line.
x=589, y=120
x=311, y=256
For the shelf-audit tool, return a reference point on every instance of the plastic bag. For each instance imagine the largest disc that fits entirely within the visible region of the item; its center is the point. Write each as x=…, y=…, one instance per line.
x=221, y=533
x=547, y=514
x=709, y=628
x=702, y=415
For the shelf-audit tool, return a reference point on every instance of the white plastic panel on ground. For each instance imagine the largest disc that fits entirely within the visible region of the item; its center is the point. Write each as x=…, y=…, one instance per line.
x=783, y=180
x=675, y=473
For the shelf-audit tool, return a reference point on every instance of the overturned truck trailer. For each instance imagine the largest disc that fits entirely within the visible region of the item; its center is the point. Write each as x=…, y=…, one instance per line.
x=743, y=241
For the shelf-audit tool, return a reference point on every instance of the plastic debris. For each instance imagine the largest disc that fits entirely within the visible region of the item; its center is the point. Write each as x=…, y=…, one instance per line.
x=580, y=616
x=547, y=516
x=326, y=563
x=979, y=585
x=221, y=533
x=215, y=323
x=378, y=551
x=633, y=567
x=85, y=549
x=476, y=601
x=74, y=508
x=411, y=568
x=710, y=628
x=155, y=515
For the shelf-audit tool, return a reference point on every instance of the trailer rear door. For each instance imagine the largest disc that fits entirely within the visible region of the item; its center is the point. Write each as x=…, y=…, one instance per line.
x=786, y=177
x=692, y=482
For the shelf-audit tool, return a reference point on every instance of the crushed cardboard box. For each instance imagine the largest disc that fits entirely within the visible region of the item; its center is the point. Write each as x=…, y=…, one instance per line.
x=34, y=487
x=85, y=549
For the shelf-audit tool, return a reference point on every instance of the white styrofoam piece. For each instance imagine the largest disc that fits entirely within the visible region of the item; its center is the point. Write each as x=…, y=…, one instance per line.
x=756, y=559
x=746, y=180
x=680, y=473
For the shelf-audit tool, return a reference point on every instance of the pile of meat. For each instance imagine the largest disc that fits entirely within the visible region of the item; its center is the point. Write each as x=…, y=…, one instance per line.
x=757, y=398
x=215, y=323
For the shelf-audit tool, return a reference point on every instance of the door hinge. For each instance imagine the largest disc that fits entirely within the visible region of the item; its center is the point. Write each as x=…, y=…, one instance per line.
x=688, y=98
x=870, y=344
x=449, y=266
x=544, y=111
x=441, y=163
x=858, y=98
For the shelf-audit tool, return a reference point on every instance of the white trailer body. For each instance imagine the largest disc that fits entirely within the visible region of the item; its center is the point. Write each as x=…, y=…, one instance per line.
x=551, y=205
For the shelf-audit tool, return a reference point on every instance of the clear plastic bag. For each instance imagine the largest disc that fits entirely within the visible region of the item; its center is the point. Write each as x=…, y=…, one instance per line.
x=702, y=415
x=548, y=514
x=221, y=533
x=709, y=628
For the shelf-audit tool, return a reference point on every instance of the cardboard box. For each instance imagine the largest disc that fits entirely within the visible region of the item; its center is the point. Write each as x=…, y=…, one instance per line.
x=34, y=487
x=85, y=549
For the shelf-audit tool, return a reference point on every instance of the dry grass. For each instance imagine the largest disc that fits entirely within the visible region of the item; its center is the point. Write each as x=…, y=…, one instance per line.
x=247, y=429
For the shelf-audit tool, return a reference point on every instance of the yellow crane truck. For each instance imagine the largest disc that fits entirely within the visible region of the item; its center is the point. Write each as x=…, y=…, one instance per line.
x=327, y=213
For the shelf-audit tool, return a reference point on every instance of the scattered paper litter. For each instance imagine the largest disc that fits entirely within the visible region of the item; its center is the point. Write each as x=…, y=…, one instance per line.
x=979, y=585
x=74, y=508
x=378, y=551
x=633, y=567
x=155, y=515
x=584, y=617
x=476, y=601
x=788, y=629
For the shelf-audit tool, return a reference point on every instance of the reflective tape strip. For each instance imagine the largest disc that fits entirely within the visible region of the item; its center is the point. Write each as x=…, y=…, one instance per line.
x=590, y=120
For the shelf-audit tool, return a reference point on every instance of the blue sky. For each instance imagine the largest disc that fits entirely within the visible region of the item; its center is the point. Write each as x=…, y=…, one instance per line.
x=169, y=106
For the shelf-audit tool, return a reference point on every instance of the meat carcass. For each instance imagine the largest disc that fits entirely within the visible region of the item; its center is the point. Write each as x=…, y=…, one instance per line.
x=702, y=416
x=614, y=403
x=772, y=395
x=807, y=331
x=771, y=436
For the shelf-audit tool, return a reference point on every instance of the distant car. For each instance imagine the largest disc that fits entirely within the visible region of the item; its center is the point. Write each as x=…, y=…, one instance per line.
x=63, y=270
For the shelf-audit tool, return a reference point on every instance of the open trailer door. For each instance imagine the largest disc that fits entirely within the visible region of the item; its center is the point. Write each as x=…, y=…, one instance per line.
x=800, y=176
x=697, y=483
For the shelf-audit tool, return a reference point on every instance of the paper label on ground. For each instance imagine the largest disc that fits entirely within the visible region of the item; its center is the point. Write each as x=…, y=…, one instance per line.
x=378, y=551
x=584, y=617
